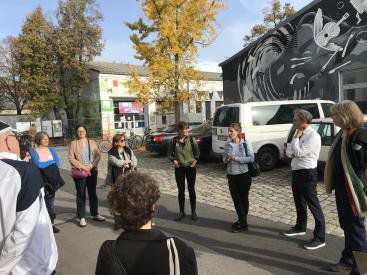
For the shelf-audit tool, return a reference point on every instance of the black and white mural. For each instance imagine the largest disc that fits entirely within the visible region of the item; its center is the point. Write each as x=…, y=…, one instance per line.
x=301, y=59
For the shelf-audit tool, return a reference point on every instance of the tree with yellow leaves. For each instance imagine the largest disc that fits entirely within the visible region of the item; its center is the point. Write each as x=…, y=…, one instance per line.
x=167, y=41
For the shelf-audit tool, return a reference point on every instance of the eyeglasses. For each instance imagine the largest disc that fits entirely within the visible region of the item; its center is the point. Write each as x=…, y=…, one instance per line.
x=122, y=140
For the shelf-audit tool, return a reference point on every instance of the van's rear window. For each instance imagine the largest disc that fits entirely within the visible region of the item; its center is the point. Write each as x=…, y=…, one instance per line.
x=280, y=114
x=225, y=116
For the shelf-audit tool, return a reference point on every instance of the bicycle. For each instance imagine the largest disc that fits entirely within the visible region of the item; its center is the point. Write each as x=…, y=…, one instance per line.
x=134, y=141
x=145, y=136
x=105, y=145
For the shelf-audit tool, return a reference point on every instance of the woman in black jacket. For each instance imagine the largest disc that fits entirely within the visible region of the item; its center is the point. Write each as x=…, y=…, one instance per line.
x=344, y=173
x=141, y=249
x=121, y=159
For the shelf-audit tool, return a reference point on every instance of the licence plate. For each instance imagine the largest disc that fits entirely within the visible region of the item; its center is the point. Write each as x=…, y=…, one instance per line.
x=223, y=138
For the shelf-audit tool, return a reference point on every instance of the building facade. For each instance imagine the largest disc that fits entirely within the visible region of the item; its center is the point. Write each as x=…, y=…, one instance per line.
x=107, y=96
x=320, y=52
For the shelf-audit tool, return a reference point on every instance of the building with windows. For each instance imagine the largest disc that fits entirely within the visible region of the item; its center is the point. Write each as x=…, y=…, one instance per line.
x=320, y=52
x=107, y=96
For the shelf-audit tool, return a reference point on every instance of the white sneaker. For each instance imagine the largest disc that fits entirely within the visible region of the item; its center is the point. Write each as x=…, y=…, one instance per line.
x=82, y=222
x=99, y=218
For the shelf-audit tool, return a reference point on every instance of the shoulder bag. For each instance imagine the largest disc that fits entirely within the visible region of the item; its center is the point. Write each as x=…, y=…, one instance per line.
x=253, y=167
x=77, y=173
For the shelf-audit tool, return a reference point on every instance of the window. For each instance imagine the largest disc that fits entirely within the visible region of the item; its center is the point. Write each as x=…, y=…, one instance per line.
x=225, y=116
x=354, y=87
x=326, y=131
x=280, y=114
x=326, y=107
x=128, y=115
x=198, y=107
x=218, y=103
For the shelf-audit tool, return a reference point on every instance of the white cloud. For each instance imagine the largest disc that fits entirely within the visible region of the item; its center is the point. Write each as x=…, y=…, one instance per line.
x=120, y=52
x=208, y=66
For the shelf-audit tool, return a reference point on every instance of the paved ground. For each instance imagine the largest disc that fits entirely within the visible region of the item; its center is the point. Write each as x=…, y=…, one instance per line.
x=261, y=250
x=270, y=195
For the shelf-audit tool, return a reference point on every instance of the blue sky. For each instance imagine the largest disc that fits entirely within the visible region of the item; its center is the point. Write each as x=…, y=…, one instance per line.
x=235, y=20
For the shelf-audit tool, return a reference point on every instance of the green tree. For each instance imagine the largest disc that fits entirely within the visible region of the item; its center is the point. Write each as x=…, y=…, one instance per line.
x=272, y=17
x=34, y=59
x=167, y=41
x=11, y=88
x=77, y=40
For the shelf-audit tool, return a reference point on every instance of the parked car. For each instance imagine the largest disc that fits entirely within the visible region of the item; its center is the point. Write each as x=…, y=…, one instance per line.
x=265, y=124
x=158, y=141
x=327, y=130
x=203, y=137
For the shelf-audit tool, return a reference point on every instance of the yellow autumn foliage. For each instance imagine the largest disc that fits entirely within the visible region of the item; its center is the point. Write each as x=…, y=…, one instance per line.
x=167, y=40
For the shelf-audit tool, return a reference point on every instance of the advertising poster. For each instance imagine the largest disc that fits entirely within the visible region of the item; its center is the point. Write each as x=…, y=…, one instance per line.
x=47, y=127
x=23, y=126
x=57, y=128
x=106, y=106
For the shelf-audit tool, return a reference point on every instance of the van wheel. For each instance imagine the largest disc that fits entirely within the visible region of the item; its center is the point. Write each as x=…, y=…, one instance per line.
x=267, y=158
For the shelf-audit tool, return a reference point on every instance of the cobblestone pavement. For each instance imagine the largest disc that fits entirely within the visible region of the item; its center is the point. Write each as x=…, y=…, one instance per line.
x=270, y=195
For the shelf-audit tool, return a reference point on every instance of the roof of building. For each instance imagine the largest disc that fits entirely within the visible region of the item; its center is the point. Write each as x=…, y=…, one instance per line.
x=286, y=21
x=124, y=69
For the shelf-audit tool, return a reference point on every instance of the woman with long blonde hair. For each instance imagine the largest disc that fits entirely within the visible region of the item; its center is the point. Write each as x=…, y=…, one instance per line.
x=344, y=173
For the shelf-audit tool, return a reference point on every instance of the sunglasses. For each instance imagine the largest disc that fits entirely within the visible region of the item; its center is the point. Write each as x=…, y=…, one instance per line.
x=122, y=140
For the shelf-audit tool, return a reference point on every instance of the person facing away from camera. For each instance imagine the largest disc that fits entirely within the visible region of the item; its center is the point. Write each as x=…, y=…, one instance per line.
x=141, y=249
x=27, y=243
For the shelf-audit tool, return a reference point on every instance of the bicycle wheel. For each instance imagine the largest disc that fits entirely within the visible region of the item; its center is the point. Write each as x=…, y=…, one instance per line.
x=137, y=141
x=104, y=146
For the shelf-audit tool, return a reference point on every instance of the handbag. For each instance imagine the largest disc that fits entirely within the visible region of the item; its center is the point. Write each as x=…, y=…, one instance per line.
x=77, y=173
x=253, y=167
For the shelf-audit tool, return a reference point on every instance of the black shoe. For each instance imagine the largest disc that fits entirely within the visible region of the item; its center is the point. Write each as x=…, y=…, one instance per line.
x=234, y=225
x=194, y=217
x=314, y=244
x=180, y=216
x=55, y=229
x=340, y=267
x=294, y=232
x=239, y=228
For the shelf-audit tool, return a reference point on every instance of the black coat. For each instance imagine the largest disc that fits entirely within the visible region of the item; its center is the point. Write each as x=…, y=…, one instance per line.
x=357, y=152
x=144, y=252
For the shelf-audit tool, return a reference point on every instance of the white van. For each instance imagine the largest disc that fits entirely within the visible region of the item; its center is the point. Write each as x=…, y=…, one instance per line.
x=264, y=124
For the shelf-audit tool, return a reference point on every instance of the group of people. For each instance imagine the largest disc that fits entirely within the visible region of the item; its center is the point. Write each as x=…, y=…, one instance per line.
x=27, y=196
x=344, y=173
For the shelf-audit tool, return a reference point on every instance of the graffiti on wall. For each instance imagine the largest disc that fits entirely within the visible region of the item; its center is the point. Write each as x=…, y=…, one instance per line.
x=301, y=60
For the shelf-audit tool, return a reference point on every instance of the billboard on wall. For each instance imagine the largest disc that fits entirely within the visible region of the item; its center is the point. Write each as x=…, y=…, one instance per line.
x=130, y=107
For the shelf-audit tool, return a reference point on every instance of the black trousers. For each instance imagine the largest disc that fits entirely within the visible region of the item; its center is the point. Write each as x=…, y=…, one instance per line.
x=239, y=187
x=353, y=227
x=304, y=183
x=81, y=185
x=190, y=174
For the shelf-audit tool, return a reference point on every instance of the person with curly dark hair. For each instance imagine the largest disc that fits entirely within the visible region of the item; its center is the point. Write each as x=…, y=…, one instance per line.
x=141, y=249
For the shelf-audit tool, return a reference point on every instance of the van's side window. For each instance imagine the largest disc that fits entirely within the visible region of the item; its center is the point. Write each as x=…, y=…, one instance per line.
x=280, y=114
x=326, y=107
x=225, y=116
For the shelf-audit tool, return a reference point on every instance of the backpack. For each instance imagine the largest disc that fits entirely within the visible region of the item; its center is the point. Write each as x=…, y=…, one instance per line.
x=193, y=148
x=253, y=167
